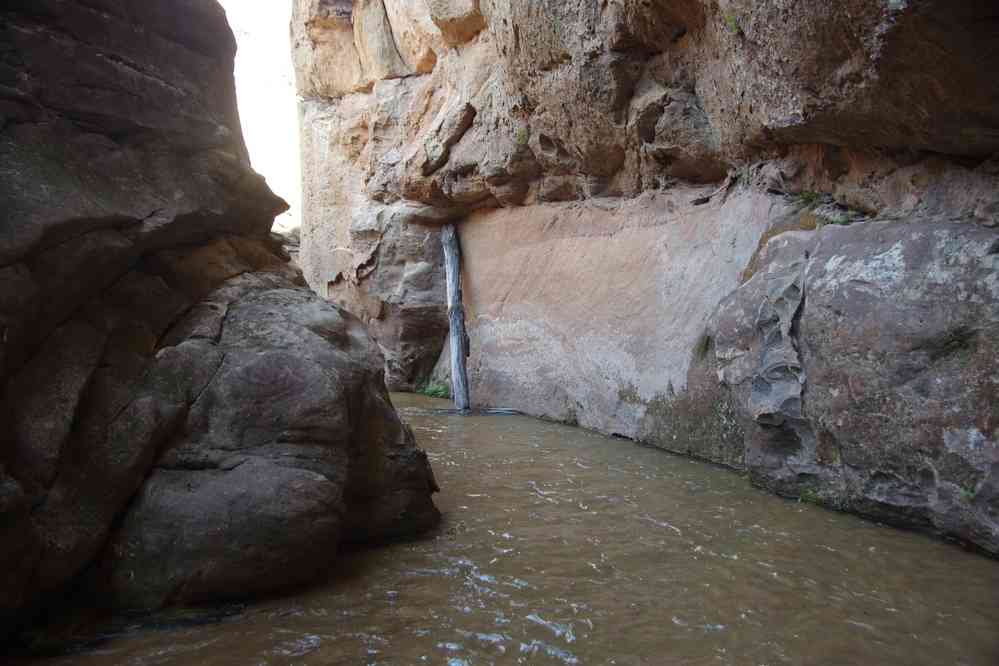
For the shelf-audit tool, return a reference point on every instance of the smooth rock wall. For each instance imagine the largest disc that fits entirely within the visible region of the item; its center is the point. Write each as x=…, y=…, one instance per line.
x=588, y=312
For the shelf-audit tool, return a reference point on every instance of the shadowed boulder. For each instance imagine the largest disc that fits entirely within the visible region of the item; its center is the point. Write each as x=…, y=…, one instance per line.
x=179, y=408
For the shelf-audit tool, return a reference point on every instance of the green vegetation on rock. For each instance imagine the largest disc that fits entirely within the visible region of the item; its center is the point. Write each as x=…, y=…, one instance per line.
x=433, y=389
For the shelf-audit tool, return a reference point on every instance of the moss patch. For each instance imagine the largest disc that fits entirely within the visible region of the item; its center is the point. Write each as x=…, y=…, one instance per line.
x=433, y=389
x=698, y=424
x=702, y=421
x=732, y=23
x=629, y=395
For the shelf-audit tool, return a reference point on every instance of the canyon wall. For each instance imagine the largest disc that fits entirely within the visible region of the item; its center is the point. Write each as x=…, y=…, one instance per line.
x=183, y=420
x=759, y=233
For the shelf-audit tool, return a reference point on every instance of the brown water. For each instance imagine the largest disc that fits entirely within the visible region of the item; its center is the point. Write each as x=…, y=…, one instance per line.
x=560, y=546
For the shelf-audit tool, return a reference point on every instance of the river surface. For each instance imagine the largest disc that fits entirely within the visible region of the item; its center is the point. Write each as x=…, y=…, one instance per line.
x=560, y=546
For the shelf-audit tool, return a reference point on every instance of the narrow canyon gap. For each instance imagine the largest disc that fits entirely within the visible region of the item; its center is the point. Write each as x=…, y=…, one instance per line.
x=677, y=227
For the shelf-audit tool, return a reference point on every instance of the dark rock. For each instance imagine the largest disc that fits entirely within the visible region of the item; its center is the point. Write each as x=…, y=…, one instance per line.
x=863, y=359
x=290, y=446
x=162, y=367
x=43, y=399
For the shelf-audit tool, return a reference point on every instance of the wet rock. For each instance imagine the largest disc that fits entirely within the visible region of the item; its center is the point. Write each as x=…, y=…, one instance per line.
x=43, y=398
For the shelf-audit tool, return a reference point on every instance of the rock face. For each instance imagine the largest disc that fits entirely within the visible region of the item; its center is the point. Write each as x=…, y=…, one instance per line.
x=619, y=170
x=591, y=354
x=865, y=358
x=176, y=405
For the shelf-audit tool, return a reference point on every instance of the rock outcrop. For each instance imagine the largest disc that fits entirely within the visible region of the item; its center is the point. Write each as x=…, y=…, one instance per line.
x=181, y=416
x=618, y=170
x=864, y=362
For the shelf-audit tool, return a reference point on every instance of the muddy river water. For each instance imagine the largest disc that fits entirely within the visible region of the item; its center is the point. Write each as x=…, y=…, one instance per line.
x=560, y=546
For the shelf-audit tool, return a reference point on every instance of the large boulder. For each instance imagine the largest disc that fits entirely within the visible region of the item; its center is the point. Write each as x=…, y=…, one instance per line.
x=288, y=445
x=154, y=339
x=863, y=360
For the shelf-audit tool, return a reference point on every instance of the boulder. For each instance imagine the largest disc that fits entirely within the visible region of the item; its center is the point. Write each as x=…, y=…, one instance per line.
x=863, y=362
x=290, y=445
x=458, y=20
x=162, y=367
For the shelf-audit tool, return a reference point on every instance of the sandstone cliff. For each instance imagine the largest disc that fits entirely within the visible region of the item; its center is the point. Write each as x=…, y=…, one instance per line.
x=761, y=233
x=180, y=415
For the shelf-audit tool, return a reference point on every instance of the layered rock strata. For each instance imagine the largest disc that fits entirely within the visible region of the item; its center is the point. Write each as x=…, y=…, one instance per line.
x=619, y=169
x=181, y=416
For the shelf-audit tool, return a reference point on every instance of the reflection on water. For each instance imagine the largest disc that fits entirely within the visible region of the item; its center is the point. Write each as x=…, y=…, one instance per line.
x=564, y=547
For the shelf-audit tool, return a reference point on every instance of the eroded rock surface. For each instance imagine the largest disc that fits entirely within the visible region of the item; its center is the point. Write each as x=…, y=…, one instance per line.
x=490, y=104
x=289, y=446
x=176, y=404
x=618, y=168
x=865, y=358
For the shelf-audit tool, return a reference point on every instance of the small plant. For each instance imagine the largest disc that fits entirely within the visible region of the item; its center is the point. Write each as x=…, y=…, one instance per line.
x=629, y=395
x=732, y=23
x=433, y=389
x=810, y=199
x=810, y=495
x=822, y=210
x=703, y=347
